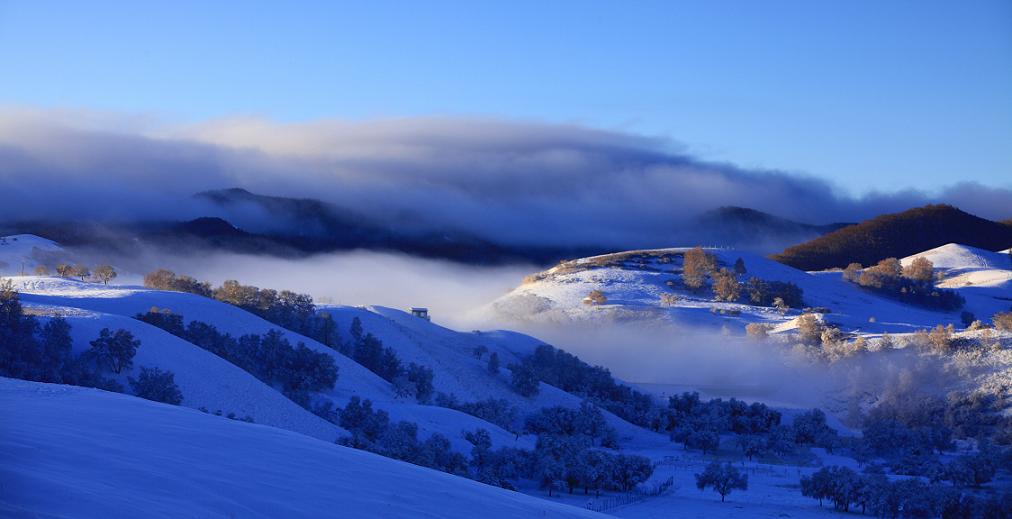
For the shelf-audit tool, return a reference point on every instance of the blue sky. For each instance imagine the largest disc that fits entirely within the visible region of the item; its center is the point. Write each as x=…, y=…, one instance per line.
x=870, y=95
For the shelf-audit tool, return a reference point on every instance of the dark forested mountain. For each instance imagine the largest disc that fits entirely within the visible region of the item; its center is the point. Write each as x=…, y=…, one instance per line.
x=897, y=235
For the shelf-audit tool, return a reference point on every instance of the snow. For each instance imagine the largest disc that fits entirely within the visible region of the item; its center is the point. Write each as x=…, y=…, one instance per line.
x=77, y=452
x=92, y=306
x=633, y=288
x=26, y=251
x=109, y=455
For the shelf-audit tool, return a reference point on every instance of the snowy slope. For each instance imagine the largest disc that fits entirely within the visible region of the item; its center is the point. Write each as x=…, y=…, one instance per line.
x=447, y=352
x=76, y=452
x=634, y=282
x=456, y=371
x=984, y=278
x=26, y=251
x=114, y=305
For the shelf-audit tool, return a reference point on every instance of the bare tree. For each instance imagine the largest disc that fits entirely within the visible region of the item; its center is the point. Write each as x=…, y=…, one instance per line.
x=63, y=270
x=41, y=270
x=80, y=271
x=105, y=274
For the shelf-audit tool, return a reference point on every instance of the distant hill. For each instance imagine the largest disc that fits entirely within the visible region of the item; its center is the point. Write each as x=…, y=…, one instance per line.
x=897, y=235
x=743, y=227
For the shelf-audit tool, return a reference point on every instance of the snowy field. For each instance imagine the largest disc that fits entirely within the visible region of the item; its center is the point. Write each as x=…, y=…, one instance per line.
x=75, y=452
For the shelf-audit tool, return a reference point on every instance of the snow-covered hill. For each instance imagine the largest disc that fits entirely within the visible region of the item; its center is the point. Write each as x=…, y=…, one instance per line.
x=214, y=384
x=634, y=282
x=77, y=452
x=21, y=253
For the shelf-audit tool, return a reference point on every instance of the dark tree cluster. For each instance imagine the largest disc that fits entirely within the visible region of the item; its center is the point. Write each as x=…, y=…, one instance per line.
x=287, y=309
x=698, y=425
x=570, y=462
x=497, y=467
x=155, y=384
x=901, y=498
x=567, y=372
x=493, y=410
x=372, y=431
x=761, y=292
x=366, y=349
x=586, y=422
x=43, y=353
x=909, y=430
x=913, y=284
x=296, y=371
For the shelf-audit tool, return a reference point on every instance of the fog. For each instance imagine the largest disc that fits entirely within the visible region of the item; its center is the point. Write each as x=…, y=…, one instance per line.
x=449, y=290
x=666, y=357
x=508, y=182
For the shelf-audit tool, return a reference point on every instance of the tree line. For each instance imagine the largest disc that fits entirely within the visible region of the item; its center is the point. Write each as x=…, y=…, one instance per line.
x=297, y=371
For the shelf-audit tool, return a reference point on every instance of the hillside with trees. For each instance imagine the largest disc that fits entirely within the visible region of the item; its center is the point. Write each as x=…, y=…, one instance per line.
x=897, y=235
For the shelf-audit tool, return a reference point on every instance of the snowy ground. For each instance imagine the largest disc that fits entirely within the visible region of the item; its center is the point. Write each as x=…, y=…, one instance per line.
x=633, y=283
x=77, y=452
x=106, y=441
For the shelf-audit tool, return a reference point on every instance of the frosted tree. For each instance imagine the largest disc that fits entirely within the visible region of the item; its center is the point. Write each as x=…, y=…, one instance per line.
x=920, y=269
x=696, y=266
x=723, y=478
x=105, y=274
x=726, y=286
x=81, y=271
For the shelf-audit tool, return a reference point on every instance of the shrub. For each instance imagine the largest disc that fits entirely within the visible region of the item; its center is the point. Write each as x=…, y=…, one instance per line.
x=1002, y=321
x=940, y=339
x=595, y=297
x=912, y=285
x=852, y=273
x=155, y=384
x=810, y=329
x=758, y=331
x=669, y=299
x=920, y=269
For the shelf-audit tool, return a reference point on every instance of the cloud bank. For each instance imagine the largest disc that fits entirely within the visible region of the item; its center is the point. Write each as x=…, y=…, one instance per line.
x=510, y=182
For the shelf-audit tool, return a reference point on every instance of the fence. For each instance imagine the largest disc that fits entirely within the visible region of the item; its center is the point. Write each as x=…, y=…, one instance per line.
x=607, y=503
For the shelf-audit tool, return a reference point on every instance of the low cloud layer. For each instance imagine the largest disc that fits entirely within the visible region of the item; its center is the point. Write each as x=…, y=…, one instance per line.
x=509, y=182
